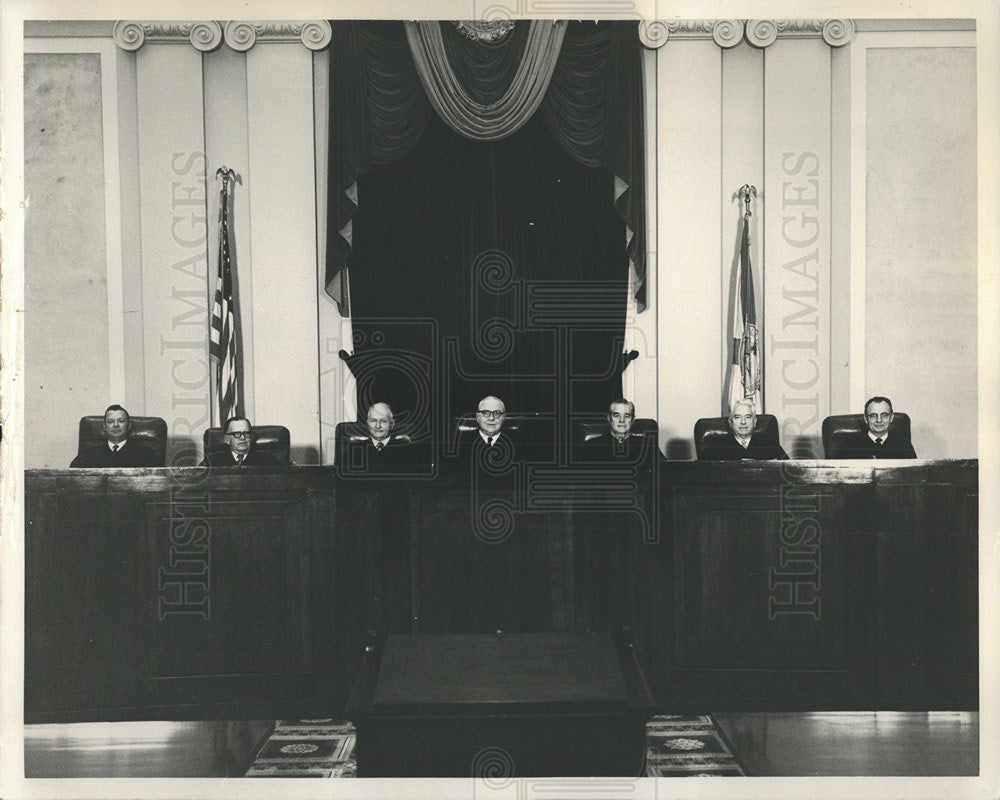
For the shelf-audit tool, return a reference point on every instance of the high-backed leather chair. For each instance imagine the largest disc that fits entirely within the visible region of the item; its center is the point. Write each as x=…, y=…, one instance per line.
x=586, y=429
x=150, y=431
x=273, y=439
x=533, y=434
x=710, y=430
x=841, y=427
x=350, y=441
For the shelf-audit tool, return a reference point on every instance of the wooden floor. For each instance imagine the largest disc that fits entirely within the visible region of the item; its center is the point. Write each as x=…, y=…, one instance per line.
x=855, y=743
x=768, y=744
x=142, y=749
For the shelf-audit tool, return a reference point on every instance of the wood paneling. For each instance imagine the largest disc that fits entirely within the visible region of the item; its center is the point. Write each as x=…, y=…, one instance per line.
x=772, y=586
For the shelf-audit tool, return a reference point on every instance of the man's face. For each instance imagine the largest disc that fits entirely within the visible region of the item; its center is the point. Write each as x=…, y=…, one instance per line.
x=620, y=419
x=742, y=421
x=878, y=416
x=380, y=422
x=239, y=436
x=490, y=415
x=116, y=425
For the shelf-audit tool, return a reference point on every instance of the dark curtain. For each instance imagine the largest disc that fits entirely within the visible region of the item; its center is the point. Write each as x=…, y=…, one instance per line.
x=487, y=268
x=594, y=107
x=378, y=111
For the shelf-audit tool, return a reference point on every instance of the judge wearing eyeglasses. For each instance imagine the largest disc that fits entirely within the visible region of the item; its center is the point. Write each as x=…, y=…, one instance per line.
x=489, y=441
x=876, y=440
x=239, y=451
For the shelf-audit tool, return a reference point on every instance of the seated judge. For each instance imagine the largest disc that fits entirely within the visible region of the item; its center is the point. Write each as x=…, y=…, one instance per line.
x=381, y=450
x=117, y=450
x=874, y=440
x=239, y=451
x=618, y=444
x=739, y=443
x=489, y=440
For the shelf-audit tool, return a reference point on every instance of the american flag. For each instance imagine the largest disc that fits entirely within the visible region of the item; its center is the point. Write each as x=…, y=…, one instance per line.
x=745, y=377
x=222, y=348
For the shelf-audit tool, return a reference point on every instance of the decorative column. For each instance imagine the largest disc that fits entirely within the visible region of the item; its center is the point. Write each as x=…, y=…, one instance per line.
x=173, y=223
x=283, y=223
x=797, y=227
x=685, y=170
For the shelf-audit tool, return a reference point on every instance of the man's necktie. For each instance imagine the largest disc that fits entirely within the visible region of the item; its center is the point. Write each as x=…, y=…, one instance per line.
x=114, y=448
x=878, y=441
x=379, y=446
x=239, y=461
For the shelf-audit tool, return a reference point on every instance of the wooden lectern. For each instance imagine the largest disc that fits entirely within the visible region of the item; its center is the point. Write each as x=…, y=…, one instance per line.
x=500, y=705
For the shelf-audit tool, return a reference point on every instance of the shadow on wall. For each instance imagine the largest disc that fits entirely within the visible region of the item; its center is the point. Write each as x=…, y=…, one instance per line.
x=805, y=447
x=305, y=456
x=183, y=451
x=680, y=450
x=928, y=444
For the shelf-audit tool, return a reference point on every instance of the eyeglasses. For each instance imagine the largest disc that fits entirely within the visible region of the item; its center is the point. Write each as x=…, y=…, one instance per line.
x=490, y=414
x=877, y=417
x=240, y=434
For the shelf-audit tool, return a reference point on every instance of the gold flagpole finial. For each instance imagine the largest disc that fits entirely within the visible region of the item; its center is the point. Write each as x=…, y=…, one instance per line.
x=746, y=190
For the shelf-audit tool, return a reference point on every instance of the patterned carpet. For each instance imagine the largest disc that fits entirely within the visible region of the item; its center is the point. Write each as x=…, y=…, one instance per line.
x=676, y=746
x=306, y=748
x=688, y=746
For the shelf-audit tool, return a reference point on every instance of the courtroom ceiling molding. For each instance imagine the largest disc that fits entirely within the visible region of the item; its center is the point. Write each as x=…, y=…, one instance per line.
x=758, y=32
x=241, y=36
x=724, y=32
x=764, y=32
x=209, y=35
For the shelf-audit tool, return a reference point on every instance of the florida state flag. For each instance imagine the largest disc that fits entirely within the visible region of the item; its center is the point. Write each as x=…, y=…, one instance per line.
x=745, y=375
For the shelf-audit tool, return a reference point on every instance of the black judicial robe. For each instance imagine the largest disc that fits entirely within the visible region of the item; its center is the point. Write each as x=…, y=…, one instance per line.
x=729, y=449
x=361, y=456
x=255, y=458
x=606, y=449
x=860, y=445
x=131, y=454
x=473, y=450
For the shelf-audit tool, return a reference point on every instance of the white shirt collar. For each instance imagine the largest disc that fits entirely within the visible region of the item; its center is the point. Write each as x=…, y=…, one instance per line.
x=384, y=442
x=744, y=442
x=113, y=445
x=486, y=437
x=882, y=436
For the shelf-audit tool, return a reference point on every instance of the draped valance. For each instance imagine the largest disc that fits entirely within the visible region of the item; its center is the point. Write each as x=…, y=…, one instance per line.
x=467, y=114
x=386, y=78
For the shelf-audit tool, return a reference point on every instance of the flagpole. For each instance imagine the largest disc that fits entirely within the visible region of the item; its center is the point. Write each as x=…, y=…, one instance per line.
x=745, y=374
x=223, y=333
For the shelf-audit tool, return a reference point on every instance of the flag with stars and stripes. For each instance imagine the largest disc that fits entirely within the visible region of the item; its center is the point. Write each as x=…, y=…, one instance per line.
x=223, y=345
